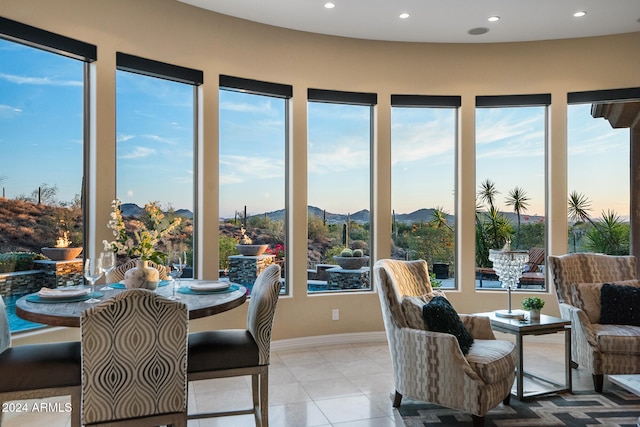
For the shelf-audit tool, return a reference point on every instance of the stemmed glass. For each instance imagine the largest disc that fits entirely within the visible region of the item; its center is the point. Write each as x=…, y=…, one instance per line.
x=176, y=264
x=108, y=264
x=92, y=272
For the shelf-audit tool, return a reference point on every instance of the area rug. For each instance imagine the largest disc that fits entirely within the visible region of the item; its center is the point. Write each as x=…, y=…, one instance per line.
x=615, y=407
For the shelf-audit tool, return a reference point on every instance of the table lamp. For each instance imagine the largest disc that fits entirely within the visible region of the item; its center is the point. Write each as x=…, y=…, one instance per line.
x=509, y=265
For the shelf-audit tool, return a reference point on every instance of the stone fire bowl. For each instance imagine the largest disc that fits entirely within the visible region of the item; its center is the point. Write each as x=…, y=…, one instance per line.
x=251, y=250
x=352, y=263
x=61, y=254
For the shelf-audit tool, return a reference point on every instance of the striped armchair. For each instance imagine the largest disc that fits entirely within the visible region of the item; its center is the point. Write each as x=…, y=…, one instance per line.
x=430, y=366
x=603, y=349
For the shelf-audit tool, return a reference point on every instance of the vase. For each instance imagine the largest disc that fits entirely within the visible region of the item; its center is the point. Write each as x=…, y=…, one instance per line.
x=142, y=276
x=534, y=315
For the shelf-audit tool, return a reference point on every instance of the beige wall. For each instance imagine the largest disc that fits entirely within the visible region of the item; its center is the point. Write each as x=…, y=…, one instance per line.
x=169, y=31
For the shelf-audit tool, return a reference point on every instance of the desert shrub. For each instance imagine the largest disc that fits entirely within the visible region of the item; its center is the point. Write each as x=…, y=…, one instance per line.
x=227, y=247
x=317, y=228
x=18, y=261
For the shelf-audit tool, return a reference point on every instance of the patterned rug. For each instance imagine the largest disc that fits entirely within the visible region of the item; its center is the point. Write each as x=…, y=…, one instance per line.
x=615, y=407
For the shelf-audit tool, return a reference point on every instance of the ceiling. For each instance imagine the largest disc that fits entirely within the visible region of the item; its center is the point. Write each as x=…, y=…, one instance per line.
x=440, y=21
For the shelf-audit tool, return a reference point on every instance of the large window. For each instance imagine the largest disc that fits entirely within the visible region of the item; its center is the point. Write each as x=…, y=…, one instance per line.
x=253, y=171
x=423, y=141
x=339, y=196
x=510, y=180
x=42, y=140
x=598, y=180
x=155, y=125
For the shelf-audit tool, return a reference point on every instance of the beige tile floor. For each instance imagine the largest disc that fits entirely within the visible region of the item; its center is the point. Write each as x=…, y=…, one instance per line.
x=346, y=385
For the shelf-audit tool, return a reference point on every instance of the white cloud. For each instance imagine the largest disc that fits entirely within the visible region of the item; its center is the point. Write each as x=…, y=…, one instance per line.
x=339, y=157
x=124, y=138
x=41, y=81
x=138, y=153
x=237, y=169
x=160, y=139
x=243, y=107
x=7, y=111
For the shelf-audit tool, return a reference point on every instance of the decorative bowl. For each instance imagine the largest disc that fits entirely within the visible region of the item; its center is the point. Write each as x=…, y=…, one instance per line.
x=251, y=250
x=61, y=254
x=351, y=263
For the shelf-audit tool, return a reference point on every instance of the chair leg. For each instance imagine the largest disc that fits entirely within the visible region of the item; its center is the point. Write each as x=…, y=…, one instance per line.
x=507, y=400
x=397, y=399
x=264, y=398
x=598, y=381
x=477, y=421
x=75, y=409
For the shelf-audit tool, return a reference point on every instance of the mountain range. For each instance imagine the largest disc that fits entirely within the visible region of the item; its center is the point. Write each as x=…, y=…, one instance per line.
x=362, y=216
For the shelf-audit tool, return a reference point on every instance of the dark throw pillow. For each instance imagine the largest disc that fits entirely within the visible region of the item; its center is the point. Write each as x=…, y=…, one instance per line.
x=619, y=305
x=440, y=316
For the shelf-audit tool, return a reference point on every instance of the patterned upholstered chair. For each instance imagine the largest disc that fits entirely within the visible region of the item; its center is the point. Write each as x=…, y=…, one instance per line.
x=39, y=370
x=134, y=361
x=117, y=274
x=237, y=352
x=430, y=366
x=604, y=349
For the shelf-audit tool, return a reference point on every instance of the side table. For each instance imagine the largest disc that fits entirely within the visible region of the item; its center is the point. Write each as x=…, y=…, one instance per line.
x=520, y=328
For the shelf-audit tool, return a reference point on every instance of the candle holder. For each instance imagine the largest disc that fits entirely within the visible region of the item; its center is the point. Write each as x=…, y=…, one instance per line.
x=509, y=265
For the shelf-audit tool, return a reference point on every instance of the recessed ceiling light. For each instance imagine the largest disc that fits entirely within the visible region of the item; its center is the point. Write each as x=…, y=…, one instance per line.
x=493, y=18
x=580, y=14
x=404, y=15
x=329, y=5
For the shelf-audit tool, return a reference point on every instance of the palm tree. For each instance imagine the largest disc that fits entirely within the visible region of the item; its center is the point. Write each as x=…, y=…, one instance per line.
x=520, y=202
x=604, y=239
x=488, y=192
x=439, y=218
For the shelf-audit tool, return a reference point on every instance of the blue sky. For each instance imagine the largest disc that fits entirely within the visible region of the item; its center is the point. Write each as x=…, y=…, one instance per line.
x=41, y=142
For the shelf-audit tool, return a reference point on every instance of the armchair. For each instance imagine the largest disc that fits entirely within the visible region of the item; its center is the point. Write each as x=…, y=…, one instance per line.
x=430, y=366
x=604, y=349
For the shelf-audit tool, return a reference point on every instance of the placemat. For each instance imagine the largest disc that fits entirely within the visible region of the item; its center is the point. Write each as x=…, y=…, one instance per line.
x=187, y=290
x=36, y=298
x=122, y=286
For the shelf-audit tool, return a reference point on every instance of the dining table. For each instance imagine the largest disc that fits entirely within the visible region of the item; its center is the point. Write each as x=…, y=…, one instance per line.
x=202, y=297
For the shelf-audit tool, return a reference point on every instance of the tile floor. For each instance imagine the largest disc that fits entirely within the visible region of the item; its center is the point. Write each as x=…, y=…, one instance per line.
x=346, y=385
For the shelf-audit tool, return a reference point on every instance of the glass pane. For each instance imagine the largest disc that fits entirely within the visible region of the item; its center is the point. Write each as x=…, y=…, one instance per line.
x=598, y=183
x=252, y=183
x=155, y=159
x=41, y=169
x=510, y=198
x=423, y=189
x=339, y=176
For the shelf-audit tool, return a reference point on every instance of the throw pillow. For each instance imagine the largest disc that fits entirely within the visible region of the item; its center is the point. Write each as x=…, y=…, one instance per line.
x=412, y=308
x=620, y=305
x=440, y=316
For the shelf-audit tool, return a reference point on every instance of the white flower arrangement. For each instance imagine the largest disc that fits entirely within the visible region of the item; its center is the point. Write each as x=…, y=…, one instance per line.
x=145, y=238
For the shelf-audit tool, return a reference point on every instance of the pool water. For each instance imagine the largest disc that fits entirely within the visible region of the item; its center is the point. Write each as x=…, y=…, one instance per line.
x=17, y=324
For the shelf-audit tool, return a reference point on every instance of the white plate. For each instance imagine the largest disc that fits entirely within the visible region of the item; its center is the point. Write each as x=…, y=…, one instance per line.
x=209, y=286
x=47, y=293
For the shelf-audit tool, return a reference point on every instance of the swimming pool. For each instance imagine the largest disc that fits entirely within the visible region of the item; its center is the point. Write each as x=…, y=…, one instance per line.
x=17, y=324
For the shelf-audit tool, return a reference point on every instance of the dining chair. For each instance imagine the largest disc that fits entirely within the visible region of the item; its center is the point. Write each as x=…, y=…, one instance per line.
x=238, y=352
x=134, y=361
x=38, y=371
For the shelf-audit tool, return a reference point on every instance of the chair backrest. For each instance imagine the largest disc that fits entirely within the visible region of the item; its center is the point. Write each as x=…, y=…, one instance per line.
x=134, y=357
x=5, y=332
x=588, y=268
x=536, y=257
x=117, y=274
x=397, y=279
x=262, y=309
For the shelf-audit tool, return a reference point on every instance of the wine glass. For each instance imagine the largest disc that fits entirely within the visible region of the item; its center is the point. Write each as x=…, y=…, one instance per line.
x=92, y=272
x=176, y=264
x=108, y=264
